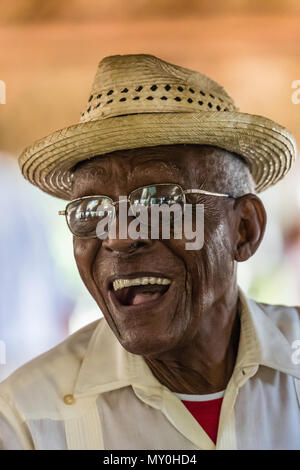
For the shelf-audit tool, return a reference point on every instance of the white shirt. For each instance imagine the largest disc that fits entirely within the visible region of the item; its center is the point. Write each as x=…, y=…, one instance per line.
x=90, y=393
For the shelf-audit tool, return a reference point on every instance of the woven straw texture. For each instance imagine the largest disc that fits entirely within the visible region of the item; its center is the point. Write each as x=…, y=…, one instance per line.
x=142, y=101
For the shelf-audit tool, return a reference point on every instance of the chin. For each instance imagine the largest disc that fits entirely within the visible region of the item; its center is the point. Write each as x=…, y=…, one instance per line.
x=146, y=342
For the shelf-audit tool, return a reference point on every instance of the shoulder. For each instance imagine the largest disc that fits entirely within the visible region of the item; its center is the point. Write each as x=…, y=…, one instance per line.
x=49, y=375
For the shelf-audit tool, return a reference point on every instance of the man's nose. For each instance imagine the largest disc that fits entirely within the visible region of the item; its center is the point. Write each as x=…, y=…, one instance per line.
x=126, y=245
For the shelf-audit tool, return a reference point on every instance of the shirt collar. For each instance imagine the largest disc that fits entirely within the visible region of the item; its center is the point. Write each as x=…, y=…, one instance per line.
x=261, y=341
x=108, y=366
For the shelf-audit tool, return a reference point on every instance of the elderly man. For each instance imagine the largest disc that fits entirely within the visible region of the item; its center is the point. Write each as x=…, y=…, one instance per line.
x=182, y=358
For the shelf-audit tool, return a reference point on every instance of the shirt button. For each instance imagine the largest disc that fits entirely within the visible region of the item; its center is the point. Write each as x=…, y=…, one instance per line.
x=69, y=399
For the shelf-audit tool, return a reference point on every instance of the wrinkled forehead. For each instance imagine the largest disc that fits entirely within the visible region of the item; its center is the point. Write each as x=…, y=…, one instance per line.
x=122, y=171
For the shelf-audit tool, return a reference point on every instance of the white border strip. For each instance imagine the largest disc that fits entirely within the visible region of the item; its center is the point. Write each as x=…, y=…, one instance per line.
x=209, y=397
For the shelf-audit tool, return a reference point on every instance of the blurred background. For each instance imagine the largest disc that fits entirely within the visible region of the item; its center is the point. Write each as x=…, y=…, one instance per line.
x=49, y=51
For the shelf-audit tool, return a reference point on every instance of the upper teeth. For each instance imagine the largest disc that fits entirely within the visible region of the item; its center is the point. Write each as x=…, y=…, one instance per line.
x=139, y=281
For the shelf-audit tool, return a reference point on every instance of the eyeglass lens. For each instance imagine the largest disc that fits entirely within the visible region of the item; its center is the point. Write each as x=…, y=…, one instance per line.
x=83, y=215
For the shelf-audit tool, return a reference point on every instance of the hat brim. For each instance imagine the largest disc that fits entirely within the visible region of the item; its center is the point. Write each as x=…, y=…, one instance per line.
x=268, y=148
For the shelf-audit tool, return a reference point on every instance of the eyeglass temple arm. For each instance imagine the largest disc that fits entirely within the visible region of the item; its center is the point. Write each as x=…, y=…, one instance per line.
x=201, y=191
x=61, y=212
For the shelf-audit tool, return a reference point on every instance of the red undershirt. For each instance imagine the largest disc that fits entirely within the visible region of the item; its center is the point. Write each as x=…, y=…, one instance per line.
x=205, y=409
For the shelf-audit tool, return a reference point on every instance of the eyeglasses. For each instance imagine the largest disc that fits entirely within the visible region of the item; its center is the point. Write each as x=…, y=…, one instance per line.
x=84, y=214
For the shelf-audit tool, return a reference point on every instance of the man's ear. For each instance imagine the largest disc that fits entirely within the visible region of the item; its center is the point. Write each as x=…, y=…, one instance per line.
x=251, y=218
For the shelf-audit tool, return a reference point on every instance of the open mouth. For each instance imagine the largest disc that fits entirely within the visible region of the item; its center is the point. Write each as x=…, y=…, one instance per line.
x=139, y=291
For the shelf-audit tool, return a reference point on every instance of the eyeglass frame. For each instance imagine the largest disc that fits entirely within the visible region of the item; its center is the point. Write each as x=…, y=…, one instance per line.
x=113, y=203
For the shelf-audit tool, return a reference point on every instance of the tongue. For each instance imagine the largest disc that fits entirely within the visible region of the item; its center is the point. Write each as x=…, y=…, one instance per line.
x=144, y=298
x=137, y=295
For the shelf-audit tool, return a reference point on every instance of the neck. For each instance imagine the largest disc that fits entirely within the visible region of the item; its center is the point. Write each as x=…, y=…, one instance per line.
x=205, y=365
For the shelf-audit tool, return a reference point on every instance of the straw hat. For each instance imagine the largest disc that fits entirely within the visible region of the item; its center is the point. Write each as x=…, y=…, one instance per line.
x=143, y=101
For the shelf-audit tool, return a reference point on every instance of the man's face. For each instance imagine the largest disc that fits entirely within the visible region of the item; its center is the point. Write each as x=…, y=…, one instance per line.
x=156, y=319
